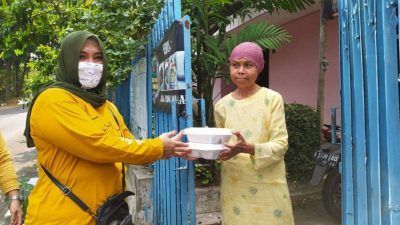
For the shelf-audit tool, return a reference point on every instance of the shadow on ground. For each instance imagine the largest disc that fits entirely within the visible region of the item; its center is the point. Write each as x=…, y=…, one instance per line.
x=27, y=172
x=25, y=157
x=12, y=110
x=312, y=212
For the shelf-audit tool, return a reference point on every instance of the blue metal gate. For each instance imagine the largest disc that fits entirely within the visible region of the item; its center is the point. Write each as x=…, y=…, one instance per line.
x=173, y=194
x=173, y=183
x=122, y=99
x=369, y=51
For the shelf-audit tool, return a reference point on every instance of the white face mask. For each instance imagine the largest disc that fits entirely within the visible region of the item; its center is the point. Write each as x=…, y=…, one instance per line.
x=89, y=74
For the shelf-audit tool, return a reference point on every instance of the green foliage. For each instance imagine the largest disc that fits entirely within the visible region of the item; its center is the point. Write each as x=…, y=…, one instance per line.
x=41, y=71
x=31, y=31
x=304, y=139
x=207, y=172
x=34, y=83
x=27, y=25
x=203, y=175
x=123, y=26
x=24, y=188
x=276, y=5
x=267, y=36
x=44, y=60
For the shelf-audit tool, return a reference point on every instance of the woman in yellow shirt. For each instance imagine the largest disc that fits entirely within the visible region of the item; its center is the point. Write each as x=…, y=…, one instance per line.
x=9, y=183
x=81, y=138
x=254, y=190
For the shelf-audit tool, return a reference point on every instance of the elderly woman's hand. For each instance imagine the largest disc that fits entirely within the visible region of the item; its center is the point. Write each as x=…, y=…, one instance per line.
x=241, y=146
x=173, y=145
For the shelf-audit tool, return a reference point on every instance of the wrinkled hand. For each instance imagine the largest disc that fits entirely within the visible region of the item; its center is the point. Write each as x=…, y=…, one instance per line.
x=173, y=145
x=16, y=213
x=241, y=146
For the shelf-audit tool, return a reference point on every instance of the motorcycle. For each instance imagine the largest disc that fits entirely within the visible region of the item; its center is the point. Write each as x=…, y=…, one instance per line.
x=327, y=170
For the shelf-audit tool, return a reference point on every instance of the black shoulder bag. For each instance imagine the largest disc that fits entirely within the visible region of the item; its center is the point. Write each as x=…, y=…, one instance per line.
x=114, y=211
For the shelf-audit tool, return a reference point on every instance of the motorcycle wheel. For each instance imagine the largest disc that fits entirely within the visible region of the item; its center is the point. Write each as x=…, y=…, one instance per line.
x=332, y=194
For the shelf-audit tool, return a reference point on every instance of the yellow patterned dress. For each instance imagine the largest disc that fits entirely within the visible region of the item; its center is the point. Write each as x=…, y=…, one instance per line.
x=254, y=190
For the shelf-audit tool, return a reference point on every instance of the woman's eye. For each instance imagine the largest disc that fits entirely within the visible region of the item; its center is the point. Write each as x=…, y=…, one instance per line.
x=249, y=65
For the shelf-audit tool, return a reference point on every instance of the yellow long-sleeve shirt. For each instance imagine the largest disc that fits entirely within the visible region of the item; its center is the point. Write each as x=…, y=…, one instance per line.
x=254, y=190
x=8, y=176
x=80, y=145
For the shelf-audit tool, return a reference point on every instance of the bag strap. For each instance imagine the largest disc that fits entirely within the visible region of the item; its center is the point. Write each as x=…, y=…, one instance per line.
x=67, y=191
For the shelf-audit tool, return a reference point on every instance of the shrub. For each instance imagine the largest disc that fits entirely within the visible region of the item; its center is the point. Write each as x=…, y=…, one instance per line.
x=207, y=173
x=304, y=139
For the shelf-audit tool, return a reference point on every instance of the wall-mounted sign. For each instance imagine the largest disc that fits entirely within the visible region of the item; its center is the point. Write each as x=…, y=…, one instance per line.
x=168, y=68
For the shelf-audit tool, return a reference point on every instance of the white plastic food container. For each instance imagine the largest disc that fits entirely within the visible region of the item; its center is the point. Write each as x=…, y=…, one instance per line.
x=207, y=135
x=205, y=151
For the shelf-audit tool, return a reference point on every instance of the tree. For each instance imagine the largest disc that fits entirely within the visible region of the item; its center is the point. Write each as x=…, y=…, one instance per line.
x=123, y=26
x=322, y=67
x=31, y=31
x=26, y=25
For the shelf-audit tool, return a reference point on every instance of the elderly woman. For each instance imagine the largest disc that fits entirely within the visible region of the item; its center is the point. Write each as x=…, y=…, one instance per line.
x=254, y=190
x=81, y=137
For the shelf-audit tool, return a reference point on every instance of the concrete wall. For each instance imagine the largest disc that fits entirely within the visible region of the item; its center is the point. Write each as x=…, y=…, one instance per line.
x=294, y=66
x=139, y=180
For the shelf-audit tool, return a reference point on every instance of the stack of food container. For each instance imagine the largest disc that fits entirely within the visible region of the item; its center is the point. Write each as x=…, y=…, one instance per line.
x=207, y=142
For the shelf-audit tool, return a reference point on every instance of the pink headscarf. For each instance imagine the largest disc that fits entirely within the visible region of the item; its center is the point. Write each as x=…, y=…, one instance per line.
x=250, y=51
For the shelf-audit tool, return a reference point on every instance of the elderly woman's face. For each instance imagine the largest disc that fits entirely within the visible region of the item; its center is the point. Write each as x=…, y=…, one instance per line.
x=91, y=52
x=243, y=73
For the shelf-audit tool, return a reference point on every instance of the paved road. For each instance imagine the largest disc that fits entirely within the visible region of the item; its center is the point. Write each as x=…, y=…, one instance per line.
x=312, y=212
x=12, y=124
